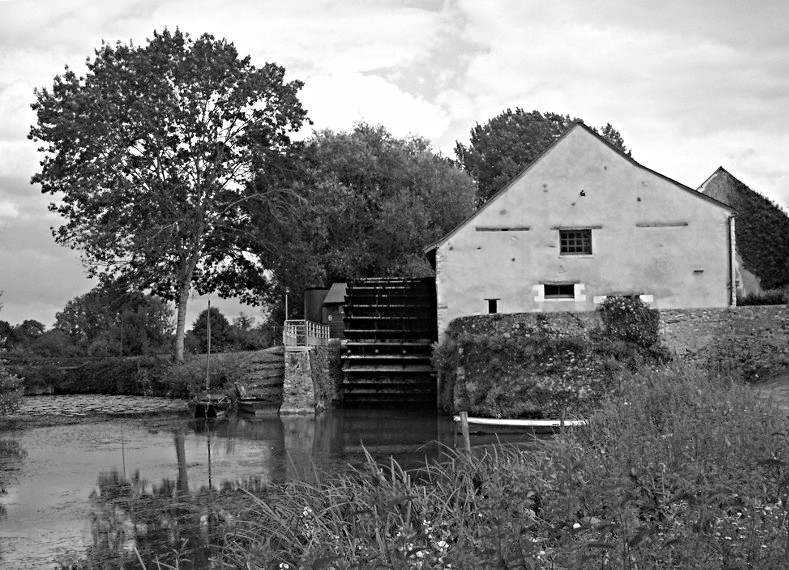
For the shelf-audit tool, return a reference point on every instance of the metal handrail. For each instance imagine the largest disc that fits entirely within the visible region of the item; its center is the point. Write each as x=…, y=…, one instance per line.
x=300, y=334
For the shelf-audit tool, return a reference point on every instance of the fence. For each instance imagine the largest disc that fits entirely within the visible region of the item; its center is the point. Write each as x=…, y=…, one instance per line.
x=298, y=335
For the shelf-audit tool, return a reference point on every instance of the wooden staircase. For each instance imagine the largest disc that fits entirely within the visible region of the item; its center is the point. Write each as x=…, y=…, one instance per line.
x=390, y=325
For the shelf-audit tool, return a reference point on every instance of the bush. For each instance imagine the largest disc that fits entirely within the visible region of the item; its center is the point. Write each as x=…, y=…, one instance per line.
x=629, y=319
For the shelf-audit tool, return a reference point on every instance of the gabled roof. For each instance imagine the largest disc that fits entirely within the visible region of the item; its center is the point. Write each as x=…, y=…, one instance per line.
x=578, y=124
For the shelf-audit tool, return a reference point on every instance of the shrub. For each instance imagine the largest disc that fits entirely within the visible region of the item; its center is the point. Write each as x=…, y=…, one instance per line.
x=631, y=320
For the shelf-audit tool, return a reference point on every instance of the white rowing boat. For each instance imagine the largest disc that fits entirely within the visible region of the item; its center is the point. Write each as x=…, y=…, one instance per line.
x=494, y=424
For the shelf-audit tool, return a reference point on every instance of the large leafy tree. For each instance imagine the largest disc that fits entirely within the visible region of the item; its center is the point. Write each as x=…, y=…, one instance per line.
x=369, y=203
x=505, y=145
x=154, y=154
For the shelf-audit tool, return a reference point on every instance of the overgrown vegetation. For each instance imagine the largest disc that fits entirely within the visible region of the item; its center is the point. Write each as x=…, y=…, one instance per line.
x=770, y=297
x=544, y=371
x=674, y=471
x=10, y=391
x=762, y=229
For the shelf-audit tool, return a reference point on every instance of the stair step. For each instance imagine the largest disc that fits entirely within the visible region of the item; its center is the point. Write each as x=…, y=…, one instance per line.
x=390, y=390
x=357, y=368
x=368, y=357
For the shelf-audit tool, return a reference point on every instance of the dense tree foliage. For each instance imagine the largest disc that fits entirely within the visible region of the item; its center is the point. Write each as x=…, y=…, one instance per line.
x=241, y=334
x=112, y=321
x=505, y=145
x=221, y=334
x=154, y=154
x=21, y=337
x=369, y=203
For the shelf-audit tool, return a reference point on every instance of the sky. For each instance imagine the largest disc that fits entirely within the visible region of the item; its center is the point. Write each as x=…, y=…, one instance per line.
x=690, y=85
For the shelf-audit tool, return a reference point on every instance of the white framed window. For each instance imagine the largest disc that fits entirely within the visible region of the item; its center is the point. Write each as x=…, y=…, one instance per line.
x=548, y=292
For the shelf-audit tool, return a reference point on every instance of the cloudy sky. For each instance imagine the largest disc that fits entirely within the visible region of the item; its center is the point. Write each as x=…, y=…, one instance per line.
x=691, y=85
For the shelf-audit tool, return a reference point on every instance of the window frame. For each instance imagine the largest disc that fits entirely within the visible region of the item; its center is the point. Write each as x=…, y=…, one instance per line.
x=583, y=237
x=558, y=295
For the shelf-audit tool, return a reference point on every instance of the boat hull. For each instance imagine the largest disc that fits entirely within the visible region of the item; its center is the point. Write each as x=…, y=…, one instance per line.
x=257, y=407
x=210, y=407
x=493, y=425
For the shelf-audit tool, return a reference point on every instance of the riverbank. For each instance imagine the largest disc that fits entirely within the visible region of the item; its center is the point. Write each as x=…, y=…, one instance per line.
x=37, y=411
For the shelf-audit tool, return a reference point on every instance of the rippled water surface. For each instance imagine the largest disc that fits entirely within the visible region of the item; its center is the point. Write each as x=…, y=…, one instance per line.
x=74, y=488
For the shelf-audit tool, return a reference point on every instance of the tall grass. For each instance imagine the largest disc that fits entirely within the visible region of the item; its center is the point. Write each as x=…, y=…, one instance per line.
x=674, y=471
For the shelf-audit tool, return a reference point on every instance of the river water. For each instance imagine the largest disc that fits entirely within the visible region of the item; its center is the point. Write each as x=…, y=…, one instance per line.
x=65, y=487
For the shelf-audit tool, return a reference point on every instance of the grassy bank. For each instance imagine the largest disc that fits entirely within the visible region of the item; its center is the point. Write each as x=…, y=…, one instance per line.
x=675, y=471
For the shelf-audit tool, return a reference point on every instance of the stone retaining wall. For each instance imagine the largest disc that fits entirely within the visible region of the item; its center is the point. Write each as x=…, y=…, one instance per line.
x=751, y=342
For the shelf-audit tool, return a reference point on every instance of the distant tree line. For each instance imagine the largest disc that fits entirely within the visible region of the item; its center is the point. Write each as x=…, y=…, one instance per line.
x=111, y=321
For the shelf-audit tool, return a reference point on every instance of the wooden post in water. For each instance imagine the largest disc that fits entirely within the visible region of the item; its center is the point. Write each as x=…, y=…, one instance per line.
x=464, y=429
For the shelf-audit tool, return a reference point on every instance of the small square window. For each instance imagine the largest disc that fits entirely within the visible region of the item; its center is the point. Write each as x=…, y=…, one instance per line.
x=493, y=306
x=575, y=242
x=560, y=291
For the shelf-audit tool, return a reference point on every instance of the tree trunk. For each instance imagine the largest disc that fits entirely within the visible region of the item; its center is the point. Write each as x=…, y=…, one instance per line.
x=180, y=326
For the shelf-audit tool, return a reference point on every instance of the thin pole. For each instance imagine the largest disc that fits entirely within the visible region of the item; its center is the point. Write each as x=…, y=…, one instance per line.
x=208, y=354
x=123, y=454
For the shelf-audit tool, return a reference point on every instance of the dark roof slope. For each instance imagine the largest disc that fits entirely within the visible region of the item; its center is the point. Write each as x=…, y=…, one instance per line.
x=761, y=231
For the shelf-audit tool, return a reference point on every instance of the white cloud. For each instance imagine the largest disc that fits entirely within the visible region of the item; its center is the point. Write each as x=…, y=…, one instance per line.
x=8, y=210
x=339, y=101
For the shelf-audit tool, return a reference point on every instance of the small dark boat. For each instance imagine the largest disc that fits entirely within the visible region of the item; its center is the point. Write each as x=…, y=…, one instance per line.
x=211, y=406
x=250, y=405
x=258, y=407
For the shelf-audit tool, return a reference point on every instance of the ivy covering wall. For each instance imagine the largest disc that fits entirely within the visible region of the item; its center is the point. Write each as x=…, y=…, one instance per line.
x=543, y=365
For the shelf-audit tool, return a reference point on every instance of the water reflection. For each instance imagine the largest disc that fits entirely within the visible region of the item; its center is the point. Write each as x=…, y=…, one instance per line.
x=11, y=456
x=104, y=488
x=132, y=521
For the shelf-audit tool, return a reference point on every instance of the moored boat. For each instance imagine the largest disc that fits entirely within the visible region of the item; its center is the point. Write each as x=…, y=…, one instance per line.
x=210, y=406
x=251, y=406
x=496, y=425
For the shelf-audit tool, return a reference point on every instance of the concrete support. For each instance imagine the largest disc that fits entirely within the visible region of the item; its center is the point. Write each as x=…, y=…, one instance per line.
x=298, y=390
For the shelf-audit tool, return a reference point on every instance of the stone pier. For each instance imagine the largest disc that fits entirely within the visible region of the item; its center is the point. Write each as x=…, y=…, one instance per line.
x=298, y=390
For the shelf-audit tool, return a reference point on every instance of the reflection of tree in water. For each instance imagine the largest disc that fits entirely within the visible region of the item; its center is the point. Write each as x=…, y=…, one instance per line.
x=161, y=524
x=11, y=456
x=166, y=523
